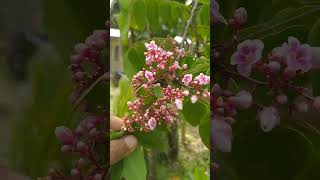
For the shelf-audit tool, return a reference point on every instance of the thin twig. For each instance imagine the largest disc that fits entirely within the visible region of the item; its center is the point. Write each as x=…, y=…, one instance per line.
x=195, y=5
x=247, y=78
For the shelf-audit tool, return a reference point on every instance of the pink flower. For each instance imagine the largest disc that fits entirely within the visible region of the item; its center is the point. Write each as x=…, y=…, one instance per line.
x=175, y=66
x=222, y=134
x=169, y=119
x=178, y=104
x=181, y=52
x=239, y=17
x=202, y=79
x=295, y=55
x=187, y=79
x=249, y=52
x=269, y=118
x=241, y=100
x=194, y=99
x=151, y=46
x=149, y=76
x=152, y=123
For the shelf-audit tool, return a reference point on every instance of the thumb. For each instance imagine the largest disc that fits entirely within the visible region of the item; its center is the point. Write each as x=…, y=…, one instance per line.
x=120, y=148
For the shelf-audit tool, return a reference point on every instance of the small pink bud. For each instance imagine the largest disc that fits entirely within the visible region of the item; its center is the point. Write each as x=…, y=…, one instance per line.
x=241, y=100
x=75, y=172
x=316, y=103
x=81, y=146
x=81, y=163
x=64, y=135
x=282, y=99
x=240, y=16
x=269, y=118
x=97, y=177
x=66, y=148
x=178, y=104
x=289, y=73
x=185, y=66
x=274, y=66
x=216, y=90
x=301, y=107
x=185, y=93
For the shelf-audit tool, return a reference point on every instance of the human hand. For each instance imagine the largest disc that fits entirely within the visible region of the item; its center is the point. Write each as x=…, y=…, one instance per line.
x=122, y=147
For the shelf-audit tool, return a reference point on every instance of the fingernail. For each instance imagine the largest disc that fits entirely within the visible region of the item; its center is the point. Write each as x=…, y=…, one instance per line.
x=130, y=141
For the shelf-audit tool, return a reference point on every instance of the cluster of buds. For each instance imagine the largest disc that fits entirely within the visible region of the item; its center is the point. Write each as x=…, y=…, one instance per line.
x=87, y=62
x=279, y=72
x=88, y=136
x=161, y=89
x=225, y=105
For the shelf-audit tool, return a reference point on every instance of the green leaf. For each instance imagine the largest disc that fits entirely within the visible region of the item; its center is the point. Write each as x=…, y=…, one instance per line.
x=66, y=18
x=154, y=139
x=194, y=113
x=314, y=34
x=138, y=13
x=120, y=107
x=200, y=174
x=135, y=60
x=204, y=13
x=314, y=40
x=153, y=14
x=204, y=131
x=165, y=12
x=157, y=90
x=116, y=170
x=134, y=167
x=125, y=4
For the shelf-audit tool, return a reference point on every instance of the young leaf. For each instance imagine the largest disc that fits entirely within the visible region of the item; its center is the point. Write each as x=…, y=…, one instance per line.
x=204, y=131
x=134, y=166
x=157, y=90
x=116, y=170
x=194, y=113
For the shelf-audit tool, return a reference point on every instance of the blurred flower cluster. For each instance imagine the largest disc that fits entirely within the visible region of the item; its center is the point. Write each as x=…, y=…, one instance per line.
x=89, y=141
x=161, y=88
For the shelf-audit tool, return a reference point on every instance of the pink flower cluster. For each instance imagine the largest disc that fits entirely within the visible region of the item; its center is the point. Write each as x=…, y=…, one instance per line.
x=164, y=73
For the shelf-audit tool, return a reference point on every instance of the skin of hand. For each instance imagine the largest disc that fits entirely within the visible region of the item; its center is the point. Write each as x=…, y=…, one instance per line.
x=122, y=147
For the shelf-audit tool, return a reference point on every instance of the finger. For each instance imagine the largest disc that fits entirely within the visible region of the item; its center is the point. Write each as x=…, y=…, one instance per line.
x=120, y=148
x=115, y=123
